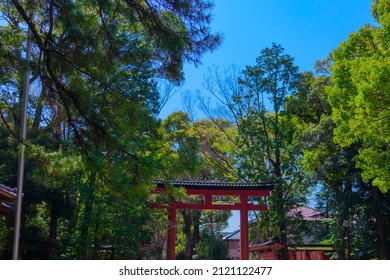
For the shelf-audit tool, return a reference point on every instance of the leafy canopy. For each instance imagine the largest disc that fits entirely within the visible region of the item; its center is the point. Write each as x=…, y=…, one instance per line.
x=360, y=97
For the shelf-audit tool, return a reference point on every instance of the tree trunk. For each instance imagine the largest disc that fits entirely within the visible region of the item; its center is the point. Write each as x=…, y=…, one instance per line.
x=87, y=219
x=383, y=252
x=53, y=232
x=187, y=231
x=196, y=235
x=211, y=239
x=281, y=208
x=282, y=226
x=39, y=107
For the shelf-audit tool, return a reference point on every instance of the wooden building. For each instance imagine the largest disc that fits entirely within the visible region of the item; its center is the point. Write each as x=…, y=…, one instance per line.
x=269, y=247
x=271, y=250
x=233, y=241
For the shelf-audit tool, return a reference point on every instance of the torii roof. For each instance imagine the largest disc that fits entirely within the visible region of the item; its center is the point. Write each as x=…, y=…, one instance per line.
x=210, y=189
x=216, y=185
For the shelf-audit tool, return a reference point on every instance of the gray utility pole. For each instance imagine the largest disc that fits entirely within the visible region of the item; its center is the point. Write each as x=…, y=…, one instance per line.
x=21, y=159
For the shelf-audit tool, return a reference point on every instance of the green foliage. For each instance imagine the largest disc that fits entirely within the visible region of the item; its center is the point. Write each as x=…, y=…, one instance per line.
x=194, y=151
x=93, y=139
x=211, y=246
x=261, y=138
x=265, y=132
x=341, y=192
x=180, y=147
x=360, y=97
x=216, y=148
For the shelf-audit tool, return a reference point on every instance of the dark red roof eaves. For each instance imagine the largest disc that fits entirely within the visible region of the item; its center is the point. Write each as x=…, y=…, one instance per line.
x=218, y=185
x=7, y=209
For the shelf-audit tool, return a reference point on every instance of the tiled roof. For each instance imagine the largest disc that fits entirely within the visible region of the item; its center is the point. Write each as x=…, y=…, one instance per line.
x=235, y=235
x=7, y=190
x=274, y=242
x=307, y=213
x=271, y=242
x=219, y=185
x=7, y=197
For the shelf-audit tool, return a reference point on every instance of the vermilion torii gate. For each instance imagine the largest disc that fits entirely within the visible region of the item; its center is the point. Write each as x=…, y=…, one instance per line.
x=207, y=190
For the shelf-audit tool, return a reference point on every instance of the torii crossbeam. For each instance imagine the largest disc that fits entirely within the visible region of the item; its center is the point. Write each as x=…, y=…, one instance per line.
x=207, y=190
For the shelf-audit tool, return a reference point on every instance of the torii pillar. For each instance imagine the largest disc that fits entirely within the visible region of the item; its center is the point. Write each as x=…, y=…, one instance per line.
x=244, y=236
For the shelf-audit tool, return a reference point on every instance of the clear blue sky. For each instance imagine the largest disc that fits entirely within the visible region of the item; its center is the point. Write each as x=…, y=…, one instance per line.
x=307, y=29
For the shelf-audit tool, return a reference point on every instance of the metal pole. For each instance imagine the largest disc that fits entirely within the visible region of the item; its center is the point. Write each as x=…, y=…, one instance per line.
x=21, y=159
x=348, y=244
x=346, y=225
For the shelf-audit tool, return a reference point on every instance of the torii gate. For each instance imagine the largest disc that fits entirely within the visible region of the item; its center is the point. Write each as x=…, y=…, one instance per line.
x=207, y=190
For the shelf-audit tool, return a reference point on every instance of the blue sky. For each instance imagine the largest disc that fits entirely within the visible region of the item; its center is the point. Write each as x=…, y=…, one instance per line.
x=307, y=29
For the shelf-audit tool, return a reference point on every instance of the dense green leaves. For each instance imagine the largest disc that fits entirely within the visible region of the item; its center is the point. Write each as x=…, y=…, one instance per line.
x=254, y=102
x=341, y=192
x=93, y=143
x=196, y=151
x=360, y=96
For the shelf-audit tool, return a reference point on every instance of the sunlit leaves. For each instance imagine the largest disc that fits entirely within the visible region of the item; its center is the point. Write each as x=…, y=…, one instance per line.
x=361, y=97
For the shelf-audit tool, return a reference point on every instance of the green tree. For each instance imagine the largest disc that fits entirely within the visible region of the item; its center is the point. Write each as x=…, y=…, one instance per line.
x=194, y=151
x=211, y=246
x=142, y=40
x=82, y=107
x=342, y=194
x=216, y=149
x=360, y=102
x=181, y=158
x=360, y=96
x=265, y=133
x=253, y=101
